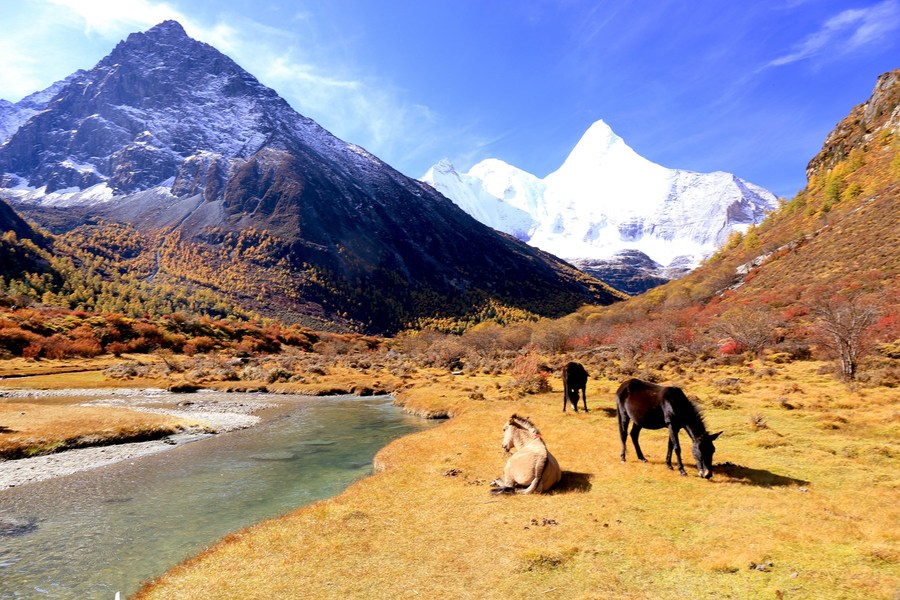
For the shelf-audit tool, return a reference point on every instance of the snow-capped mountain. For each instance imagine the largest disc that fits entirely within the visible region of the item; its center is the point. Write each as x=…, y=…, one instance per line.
x=606, y=199
x=175, y=139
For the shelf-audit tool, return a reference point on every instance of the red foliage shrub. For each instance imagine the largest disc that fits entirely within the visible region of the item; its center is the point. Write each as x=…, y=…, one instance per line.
x=203, y=343
x=148, y=331
x=16, y=339
x=731, y=347
x=32, y=351
x=141, y=345
x=530, y=375
x=58, y=346
x=117, y=348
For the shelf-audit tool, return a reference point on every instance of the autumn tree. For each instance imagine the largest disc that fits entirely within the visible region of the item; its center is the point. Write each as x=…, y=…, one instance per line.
x=845, y=323
x=752, y=327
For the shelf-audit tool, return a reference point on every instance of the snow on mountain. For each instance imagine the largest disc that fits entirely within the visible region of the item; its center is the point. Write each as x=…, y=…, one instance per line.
x=606, y=199
x=494, y=192
x=171, y=136
x=14, y=115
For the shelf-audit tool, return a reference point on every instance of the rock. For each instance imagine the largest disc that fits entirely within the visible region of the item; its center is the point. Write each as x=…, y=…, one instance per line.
x=15, y=526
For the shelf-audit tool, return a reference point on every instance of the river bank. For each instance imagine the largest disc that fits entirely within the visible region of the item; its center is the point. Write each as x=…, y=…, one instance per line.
x=204, y=414
x=94, y=533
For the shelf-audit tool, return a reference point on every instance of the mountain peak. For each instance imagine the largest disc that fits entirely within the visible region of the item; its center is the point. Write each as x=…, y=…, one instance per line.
x=168, y=28
x=596, y=147
x=600, y=131
x=167, y=33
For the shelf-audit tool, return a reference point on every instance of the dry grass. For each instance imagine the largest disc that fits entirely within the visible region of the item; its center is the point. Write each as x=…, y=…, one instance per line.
x=55, y=424
x=795, y=510
x=77, y=373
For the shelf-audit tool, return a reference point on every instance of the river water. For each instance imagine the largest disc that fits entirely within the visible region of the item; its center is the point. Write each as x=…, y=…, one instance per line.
x=95, y=533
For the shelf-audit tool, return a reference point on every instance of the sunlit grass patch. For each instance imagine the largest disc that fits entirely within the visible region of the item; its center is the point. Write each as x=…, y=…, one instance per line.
x=792, y=509
x=30, y=429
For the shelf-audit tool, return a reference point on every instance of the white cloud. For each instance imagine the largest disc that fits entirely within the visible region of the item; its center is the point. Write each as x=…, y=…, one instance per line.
x=847, y=31
x=108, y=18
x=17, y=71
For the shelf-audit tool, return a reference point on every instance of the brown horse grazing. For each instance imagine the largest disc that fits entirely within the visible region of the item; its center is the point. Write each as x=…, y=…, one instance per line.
x=574, y=378
x=532, y=467
x=653, y=406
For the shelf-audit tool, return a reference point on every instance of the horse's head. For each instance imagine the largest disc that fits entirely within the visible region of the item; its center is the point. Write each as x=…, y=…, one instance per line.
x=508, y=436
x=515, y=429
x=703, y=453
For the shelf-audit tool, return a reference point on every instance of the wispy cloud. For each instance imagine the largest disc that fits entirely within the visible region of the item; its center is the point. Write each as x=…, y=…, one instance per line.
x=109, y=17
x=848, y=31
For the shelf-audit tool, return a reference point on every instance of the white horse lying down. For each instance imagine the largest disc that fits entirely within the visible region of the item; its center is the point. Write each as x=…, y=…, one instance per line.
x=532, y=467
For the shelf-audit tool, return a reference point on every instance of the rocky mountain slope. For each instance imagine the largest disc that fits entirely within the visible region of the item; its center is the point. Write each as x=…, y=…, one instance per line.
x=234, y=191
x=605, y=200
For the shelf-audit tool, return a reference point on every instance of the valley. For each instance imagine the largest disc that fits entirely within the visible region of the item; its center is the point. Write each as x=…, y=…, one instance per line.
x=173, y=231
x=801, y=499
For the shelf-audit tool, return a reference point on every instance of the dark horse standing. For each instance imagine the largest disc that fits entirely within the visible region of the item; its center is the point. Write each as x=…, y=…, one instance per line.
x=653, y=406
x=574, y=378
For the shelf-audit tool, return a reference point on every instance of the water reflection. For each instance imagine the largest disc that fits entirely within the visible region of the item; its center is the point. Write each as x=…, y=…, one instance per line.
x=92, y=534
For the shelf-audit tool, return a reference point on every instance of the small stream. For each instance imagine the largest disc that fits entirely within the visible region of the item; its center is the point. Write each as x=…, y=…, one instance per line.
x=95, y=533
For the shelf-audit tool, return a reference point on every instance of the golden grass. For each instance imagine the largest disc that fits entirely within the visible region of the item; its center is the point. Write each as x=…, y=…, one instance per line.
x=50, y=425
x=794, y=510
x=70, y=373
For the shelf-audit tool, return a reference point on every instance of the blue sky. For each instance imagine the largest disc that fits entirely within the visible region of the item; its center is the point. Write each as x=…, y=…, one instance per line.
x=747, y=87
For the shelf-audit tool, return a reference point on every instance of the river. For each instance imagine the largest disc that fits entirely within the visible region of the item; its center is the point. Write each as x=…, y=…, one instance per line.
x=95, y=533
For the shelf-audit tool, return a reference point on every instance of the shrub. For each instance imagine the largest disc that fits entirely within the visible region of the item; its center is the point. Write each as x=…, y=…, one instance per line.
x=728, y=385
x=447, y=352
x=117, y=348
x=530, y=376
x=58, y=346
x=758, y=422
x=16, y=339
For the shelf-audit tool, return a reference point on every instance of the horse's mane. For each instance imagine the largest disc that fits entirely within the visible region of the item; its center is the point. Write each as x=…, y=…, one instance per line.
x=524, y=423
x=693, y=412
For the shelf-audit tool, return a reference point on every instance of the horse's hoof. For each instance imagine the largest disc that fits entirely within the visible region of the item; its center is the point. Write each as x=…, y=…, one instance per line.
x=643, y=460
x=682, y=473
x=670, y=467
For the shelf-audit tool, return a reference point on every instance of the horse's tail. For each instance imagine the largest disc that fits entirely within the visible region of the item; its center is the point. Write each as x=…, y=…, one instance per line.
x=622, y=397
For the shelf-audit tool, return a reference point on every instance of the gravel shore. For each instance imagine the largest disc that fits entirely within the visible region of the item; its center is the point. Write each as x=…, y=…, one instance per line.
x=214, y=412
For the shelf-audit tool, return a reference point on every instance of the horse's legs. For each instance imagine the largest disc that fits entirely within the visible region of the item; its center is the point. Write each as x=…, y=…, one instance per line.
x=584, y=397
x=565, y=396
x=505, y=481
x=635, y=432
x=623, y=426
x=669, y=454
x=673, y=442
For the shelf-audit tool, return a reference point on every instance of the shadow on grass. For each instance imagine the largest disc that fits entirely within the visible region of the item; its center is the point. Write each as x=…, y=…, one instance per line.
x=609, y=412
x=572, y=482
x=760, y=477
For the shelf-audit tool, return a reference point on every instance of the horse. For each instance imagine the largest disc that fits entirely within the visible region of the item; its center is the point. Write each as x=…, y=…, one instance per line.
x=653, y=406
x=532, y=467
x=574, y=378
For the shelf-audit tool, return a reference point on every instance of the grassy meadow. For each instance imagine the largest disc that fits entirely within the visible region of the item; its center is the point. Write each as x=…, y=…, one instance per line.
x=803, y=503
